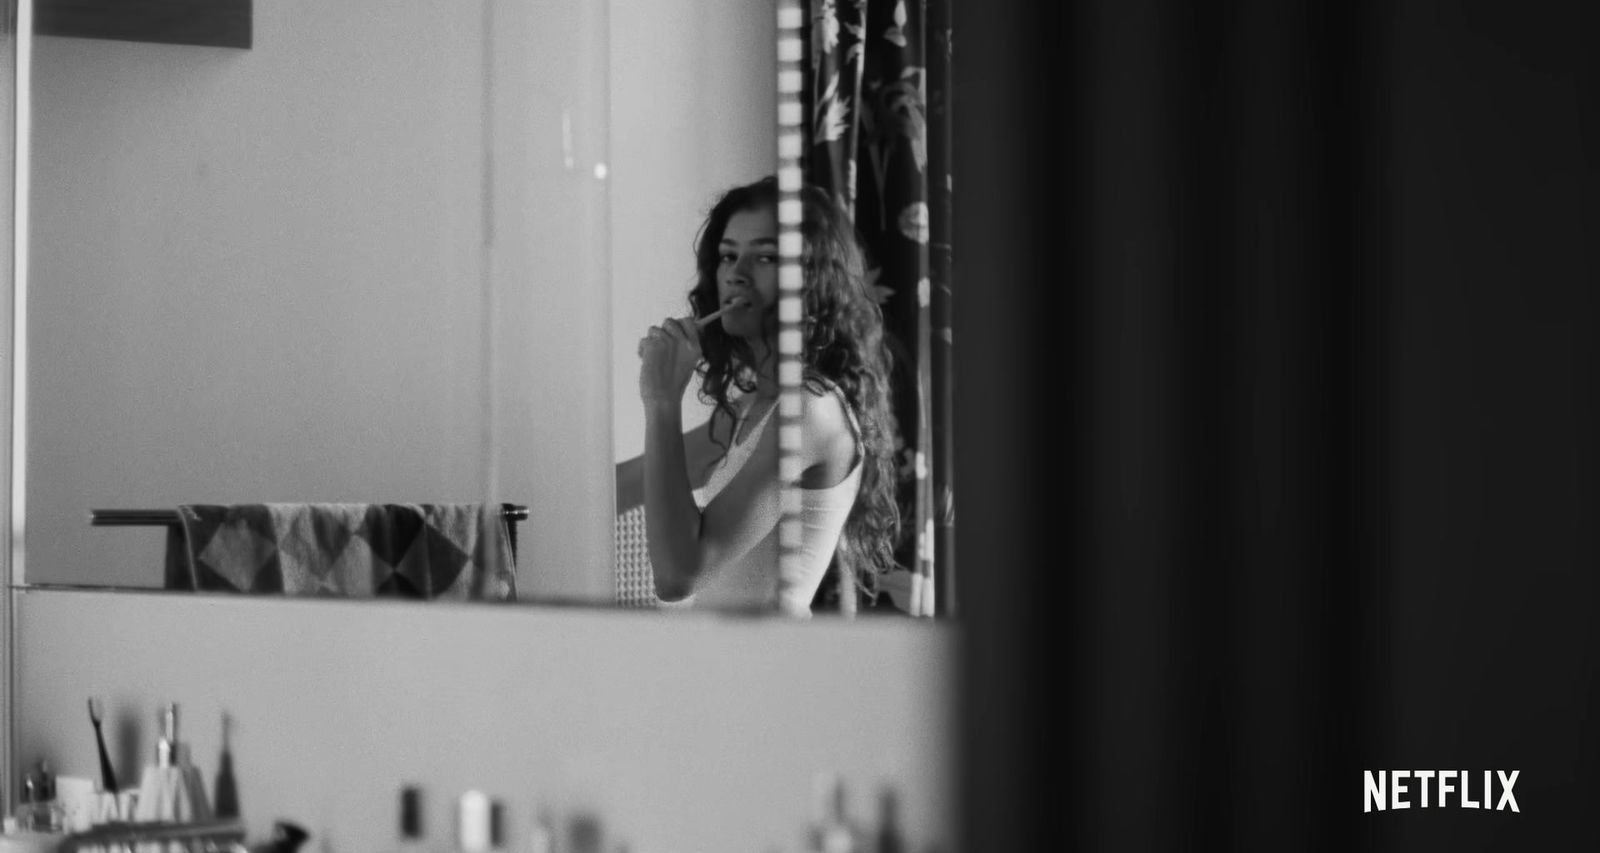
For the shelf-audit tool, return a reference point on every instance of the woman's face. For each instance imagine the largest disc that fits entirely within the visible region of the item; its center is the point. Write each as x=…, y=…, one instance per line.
x=747, y=271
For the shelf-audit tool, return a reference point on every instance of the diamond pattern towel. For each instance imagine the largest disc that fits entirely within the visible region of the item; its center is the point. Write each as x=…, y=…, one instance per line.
x=379, y=550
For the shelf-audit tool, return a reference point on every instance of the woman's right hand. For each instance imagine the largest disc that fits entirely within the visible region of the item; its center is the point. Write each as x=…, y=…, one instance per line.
x=669, y=353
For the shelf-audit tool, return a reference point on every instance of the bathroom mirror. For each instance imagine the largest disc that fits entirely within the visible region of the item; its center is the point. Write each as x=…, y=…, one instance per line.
x=341, y=264
x=385, y=253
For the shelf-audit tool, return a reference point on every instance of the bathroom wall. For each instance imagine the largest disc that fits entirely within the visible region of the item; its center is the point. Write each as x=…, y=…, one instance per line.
x=681, y=732
x=260, y=275
x=671, y=156
x=166, y=189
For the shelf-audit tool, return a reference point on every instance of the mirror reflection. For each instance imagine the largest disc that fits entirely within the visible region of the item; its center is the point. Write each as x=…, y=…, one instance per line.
x=396, y=258
x=711, y=496
x=359, y=262
x=870, y=95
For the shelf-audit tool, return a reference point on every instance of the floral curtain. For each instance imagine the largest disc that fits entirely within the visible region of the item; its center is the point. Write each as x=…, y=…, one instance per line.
x=877, y=86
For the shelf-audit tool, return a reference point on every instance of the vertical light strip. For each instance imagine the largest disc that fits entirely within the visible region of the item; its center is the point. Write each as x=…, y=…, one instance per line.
x=489, y=451
x=16, y=468
x=22, y=125
x=791, y=47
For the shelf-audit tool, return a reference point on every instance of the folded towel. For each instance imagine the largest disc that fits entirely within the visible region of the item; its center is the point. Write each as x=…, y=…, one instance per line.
x=387, y=550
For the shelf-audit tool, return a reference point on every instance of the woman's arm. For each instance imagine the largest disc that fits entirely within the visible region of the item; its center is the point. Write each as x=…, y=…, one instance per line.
x=672, y=519
x=700, y=452
x=668, y=354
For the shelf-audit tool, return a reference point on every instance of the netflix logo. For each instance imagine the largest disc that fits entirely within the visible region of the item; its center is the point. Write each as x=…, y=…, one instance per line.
x=1462, y=789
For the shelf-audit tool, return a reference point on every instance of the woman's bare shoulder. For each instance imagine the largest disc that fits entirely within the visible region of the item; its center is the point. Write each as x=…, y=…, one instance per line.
x=824, y=410
x=828, y=436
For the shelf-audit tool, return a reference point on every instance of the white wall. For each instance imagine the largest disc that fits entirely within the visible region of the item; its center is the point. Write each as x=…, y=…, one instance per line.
x=239, y=253
x=693, y=112
x=683, y=732
x=258, y=275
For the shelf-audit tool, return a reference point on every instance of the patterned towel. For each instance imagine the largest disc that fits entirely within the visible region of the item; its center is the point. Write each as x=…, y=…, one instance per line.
x=385, y=550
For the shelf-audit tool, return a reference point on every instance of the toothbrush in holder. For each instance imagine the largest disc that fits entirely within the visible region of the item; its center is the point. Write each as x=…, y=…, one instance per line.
x=108, y=778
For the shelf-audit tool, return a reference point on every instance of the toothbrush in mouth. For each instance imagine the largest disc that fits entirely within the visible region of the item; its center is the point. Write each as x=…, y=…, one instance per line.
x=732, y=302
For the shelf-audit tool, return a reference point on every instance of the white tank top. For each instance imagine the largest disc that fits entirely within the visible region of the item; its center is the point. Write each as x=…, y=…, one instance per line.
x=752, y=582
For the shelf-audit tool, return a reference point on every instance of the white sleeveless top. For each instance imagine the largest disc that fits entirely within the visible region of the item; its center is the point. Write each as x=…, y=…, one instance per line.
x=752, y=581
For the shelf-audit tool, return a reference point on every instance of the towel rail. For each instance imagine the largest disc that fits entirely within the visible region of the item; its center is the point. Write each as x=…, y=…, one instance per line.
x=157, y=517
x=511, y=513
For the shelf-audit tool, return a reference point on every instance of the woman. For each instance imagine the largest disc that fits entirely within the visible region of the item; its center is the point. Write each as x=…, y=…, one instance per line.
x=711, y=496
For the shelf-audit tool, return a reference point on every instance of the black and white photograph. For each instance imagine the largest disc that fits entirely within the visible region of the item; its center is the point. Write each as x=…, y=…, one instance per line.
x=799, y=426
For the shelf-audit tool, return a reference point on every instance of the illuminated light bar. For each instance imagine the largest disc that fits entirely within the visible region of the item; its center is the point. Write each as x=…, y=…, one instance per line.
x=791, y=119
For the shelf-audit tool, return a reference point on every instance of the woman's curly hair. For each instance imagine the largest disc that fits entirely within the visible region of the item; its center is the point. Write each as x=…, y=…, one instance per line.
x=843, y=344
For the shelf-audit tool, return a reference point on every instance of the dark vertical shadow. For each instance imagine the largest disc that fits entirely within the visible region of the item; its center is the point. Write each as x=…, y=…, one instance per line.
x=1013, y=69
x=131, y=752
x=1170, y=418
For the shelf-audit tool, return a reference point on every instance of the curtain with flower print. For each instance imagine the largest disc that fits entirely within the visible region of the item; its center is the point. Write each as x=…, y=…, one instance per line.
x=877, y=85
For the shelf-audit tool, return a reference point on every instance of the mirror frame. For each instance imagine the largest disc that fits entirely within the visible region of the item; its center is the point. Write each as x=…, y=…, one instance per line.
x=18, y=42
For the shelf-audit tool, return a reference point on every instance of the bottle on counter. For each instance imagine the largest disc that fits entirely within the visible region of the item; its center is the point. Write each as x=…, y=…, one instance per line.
x=585, y=834
x=890, y=837
x=832, y=830
x=479, y=823
x=541, y=834
x=225, y=801
x=411, y=836
x=38, y=810
x=171, y=789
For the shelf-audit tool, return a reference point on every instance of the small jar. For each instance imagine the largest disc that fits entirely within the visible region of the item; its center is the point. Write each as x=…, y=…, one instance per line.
x=39, y=811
